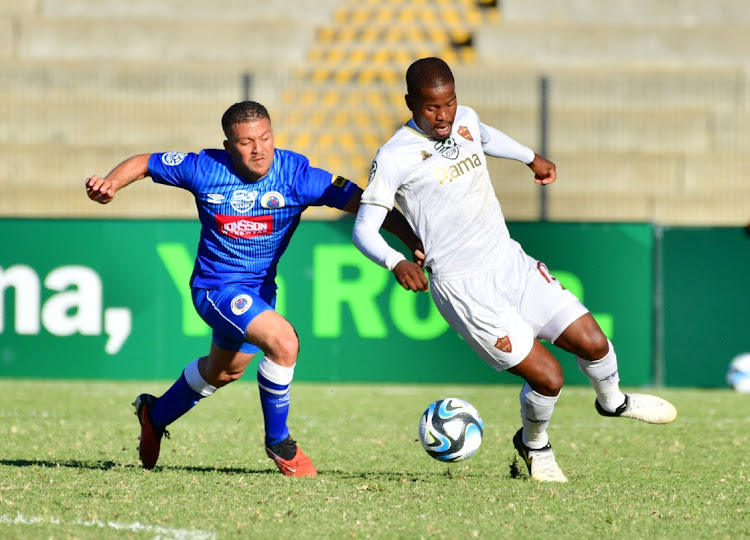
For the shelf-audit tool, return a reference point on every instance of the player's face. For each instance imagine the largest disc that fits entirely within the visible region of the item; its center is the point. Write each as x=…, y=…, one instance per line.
x=434, y=110
x=251, y=146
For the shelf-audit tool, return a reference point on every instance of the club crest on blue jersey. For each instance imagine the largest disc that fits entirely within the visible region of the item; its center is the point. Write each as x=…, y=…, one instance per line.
x=241, y=303
x=172, y=159
x=272, y=199
x=243, y=200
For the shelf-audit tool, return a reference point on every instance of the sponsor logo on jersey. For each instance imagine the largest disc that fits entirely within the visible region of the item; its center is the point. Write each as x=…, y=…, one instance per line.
x=215, y=198
x=447, y=148
x=465, y=133
x=372, y=171
x=241, y=303
x=272, y=199
x=426, y=155
x=244, y=227
x=504, y=344
x=339, y=181
x=449, y=174
x=243, y=200
x=172, y=158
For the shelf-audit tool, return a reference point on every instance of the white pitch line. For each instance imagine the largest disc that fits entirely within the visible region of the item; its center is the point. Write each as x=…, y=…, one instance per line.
x=160, y=532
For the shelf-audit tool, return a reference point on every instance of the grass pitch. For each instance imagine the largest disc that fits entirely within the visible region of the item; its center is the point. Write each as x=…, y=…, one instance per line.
x=69, y=468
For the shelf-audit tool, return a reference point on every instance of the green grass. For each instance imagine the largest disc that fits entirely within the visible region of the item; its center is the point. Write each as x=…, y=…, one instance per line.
x=69, y=469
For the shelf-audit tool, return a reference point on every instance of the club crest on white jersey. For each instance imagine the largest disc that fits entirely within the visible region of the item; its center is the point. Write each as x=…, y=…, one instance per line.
x=447, y=148
x=373, y=169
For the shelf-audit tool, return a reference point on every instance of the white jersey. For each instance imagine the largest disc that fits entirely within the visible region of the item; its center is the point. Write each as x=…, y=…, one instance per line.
x=498, y=298
x=444, y=190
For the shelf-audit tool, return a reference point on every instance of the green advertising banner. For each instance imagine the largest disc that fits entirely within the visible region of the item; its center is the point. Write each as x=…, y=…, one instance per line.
x=706, y=299
x=109, y=299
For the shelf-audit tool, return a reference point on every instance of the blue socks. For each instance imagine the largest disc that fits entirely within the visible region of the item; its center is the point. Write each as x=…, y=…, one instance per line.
x=273, y=384
x=182, y=396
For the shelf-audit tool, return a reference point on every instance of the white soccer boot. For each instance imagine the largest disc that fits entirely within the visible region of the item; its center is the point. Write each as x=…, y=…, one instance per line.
x=651, y=409
x=540, y=463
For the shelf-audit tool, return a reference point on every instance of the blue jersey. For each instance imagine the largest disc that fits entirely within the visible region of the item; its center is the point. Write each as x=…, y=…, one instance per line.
x=246, y=226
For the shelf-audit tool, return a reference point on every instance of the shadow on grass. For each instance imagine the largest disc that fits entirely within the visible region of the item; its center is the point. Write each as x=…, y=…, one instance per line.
x=385, y=476
x=109, y=465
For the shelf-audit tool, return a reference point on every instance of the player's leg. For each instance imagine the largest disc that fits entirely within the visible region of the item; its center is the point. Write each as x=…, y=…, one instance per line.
x=227, y=312
x=478, y=310
x=155, y=414
x=544, y=379
x=200, y=379
x=278, y=340
x=597, y=360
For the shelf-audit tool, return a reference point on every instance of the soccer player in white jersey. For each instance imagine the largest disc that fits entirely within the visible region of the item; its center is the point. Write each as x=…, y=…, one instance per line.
x=249, y=197
x=501, y=300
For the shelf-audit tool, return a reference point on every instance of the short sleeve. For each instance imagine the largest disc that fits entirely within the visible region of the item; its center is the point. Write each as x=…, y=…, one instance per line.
x=318, y=187
x=173, y=168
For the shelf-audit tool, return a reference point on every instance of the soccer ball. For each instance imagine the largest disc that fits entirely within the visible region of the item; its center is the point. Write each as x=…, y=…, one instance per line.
x=451, y=430
x=738, y=374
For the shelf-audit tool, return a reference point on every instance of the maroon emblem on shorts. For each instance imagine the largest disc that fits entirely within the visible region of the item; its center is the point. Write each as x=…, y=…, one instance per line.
x=503, y=343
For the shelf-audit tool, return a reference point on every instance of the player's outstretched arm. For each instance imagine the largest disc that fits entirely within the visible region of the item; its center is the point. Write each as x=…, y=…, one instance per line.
x=545, y=171
x=366, y=236
x=102, y=190
x=395, y=223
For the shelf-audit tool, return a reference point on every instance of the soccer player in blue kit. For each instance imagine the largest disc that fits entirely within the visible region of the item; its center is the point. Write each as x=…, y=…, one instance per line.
x=249, y=197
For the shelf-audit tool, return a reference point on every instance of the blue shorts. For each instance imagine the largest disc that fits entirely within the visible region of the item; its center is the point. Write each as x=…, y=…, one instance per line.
x=230, y=309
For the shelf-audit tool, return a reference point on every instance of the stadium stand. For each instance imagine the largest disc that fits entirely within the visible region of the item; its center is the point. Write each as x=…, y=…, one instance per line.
x=648, y=101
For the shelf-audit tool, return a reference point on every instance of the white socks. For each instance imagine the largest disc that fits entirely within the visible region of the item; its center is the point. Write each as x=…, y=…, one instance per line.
x=273, y=372
x=604, y=378
x=196, y=381
x=536, y=412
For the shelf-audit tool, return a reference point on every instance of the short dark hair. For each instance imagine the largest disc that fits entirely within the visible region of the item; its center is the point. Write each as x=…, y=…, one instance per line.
x=427, y=73
x=243, y=112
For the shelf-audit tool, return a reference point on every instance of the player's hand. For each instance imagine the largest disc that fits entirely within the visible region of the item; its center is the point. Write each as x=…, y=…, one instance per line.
x=411, y=276
x=545, y=171
x=418, y=257
x=100, y=189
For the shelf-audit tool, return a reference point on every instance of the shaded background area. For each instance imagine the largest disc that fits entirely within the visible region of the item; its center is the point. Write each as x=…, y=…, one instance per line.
x=646, y=113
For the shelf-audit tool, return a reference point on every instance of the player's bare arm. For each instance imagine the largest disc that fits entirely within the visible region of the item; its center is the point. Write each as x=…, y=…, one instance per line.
x=102, y=190
x=545, y=171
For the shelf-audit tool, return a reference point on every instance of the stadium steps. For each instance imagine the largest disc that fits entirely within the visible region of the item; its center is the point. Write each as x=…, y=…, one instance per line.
x=353, y=76
x=637, y=134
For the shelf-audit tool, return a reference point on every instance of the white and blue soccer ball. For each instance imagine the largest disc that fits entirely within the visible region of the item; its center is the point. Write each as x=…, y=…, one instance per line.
x=451, y=430
x=738, y=373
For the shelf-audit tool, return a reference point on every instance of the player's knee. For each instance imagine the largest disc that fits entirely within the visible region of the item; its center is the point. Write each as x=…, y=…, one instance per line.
x=548, y=382
x=285, y=349
x=594, y=345
x=591, y=344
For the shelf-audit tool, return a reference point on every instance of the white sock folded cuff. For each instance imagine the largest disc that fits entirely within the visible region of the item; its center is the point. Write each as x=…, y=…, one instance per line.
x=196, y=381
x=274, y=372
